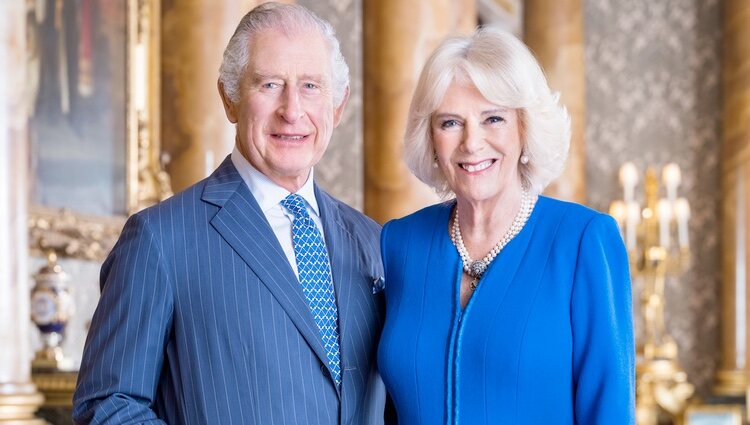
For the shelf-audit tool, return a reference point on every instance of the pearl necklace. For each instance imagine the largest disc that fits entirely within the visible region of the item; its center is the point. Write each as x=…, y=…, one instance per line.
x=476, y=268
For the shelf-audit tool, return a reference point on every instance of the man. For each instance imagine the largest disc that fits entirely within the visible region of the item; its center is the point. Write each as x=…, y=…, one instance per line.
x=252, y=297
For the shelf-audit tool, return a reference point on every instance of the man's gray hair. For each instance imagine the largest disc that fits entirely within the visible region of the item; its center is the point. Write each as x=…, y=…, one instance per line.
x=289, y=19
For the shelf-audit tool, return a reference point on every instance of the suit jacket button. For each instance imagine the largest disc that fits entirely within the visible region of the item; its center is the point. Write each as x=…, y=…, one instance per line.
x=323, y=368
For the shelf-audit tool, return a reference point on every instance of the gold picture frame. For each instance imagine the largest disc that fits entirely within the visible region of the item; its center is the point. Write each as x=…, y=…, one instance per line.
x=80, y=235
x=713, y=414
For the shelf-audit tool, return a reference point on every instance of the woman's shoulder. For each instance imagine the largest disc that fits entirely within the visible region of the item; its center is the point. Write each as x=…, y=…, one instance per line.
x=576, y=219
x=570, y=213
x=416, y=227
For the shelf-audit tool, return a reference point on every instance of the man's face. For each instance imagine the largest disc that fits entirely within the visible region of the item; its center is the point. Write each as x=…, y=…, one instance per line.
x=285, y=114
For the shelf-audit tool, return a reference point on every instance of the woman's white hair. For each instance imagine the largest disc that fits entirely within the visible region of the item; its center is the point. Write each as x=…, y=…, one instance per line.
x=289, y=19
x=506, y=73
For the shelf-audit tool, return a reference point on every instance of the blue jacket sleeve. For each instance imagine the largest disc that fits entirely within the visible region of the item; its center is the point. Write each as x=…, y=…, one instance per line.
x=602, y=322
x=124, y=350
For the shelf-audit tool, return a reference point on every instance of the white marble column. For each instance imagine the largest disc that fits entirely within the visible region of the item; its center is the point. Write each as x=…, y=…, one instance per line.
x=18, y=396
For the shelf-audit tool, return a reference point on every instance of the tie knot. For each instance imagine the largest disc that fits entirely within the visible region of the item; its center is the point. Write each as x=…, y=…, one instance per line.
x=296, y=205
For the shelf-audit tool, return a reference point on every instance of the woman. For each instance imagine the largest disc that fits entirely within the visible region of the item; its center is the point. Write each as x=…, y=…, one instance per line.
x=503, y=306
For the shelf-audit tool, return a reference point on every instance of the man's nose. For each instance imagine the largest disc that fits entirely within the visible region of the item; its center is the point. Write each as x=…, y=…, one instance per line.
x=291, y=108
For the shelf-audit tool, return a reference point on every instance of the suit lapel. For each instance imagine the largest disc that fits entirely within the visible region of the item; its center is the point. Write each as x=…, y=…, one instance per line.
x=343, y=252
x=243, y=226
x=338, y=245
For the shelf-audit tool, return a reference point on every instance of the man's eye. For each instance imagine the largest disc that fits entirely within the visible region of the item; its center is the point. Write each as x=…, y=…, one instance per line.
x=310, y=86
x=494, y=119
x=271, y=86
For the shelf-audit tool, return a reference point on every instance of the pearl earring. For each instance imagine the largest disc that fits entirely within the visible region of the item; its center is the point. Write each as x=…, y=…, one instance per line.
x=524, y=159
x=434, y=160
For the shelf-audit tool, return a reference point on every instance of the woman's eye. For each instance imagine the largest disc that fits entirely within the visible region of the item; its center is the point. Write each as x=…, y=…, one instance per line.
x=449, y=124
x=494, y=119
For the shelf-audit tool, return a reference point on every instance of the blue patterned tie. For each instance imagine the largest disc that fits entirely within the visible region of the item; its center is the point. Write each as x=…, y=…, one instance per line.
x=314, y=270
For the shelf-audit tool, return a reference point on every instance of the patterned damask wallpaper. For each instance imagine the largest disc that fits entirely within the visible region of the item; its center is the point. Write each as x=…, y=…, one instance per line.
x=341, y=170
x=653, y=96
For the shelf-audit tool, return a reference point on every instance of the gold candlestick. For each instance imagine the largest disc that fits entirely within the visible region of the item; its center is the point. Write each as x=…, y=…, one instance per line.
x=656, y=237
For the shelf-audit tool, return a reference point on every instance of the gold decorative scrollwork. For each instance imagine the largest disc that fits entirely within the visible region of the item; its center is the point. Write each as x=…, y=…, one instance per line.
x=71, y=234
x=148, y=183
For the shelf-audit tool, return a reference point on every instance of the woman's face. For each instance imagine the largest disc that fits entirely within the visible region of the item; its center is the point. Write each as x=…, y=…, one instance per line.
x=477, y=143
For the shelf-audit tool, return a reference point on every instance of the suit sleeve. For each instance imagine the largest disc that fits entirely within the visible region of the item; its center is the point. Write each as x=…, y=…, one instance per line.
x=603, y=345
x=124, y=351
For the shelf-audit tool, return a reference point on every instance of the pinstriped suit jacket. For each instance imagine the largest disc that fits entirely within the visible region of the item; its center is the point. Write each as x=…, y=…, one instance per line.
x=202, y=320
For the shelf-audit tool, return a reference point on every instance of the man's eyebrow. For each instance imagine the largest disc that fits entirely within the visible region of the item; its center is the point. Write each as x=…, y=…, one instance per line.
x=260, y=76
x=314, y=77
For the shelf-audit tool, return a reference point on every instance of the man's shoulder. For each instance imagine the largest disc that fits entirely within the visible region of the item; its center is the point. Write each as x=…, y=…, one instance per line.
x=348, y=214
x=185, y=202
x=215, y=189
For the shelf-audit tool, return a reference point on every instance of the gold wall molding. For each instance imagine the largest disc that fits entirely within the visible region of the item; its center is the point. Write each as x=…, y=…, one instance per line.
x=147, y=182
x=197, y=135
x=554, y=32
x=398, y=38
x=731, y=378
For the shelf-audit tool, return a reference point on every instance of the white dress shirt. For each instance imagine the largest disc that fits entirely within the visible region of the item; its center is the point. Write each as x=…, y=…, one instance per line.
x=269, y=196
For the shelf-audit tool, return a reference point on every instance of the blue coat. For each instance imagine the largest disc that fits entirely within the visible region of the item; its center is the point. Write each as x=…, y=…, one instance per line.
x=547, y=337
x=202, y=319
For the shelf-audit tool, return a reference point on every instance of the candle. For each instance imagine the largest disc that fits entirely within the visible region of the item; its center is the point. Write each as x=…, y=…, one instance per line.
x=664, y=214
x=671, y=177
x=628, y=179
x=631, y=222
x=618, y=210
x=682, y=214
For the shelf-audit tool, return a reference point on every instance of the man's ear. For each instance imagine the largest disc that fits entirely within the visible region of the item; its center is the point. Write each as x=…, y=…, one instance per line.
x=339, y=111
x=229, y=107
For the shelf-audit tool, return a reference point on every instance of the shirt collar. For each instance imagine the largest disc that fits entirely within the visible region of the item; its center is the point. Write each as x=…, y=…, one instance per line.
x=266, y=192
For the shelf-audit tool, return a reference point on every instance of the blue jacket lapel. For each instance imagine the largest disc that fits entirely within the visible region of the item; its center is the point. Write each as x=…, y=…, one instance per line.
x=506, y=267
x=354, y=296
x=339, y=244
x=243, y=226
